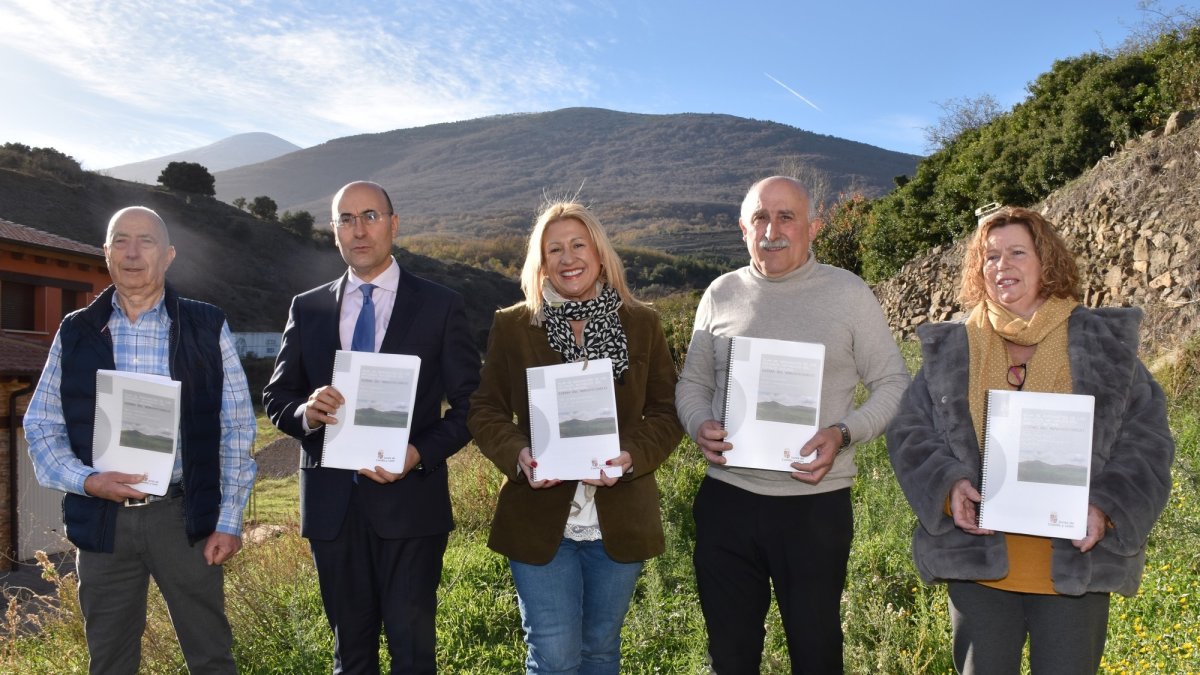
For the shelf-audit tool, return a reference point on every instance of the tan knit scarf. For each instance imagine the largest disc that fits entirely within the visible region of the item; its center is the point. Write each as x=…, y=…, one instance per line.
x=1049, y=370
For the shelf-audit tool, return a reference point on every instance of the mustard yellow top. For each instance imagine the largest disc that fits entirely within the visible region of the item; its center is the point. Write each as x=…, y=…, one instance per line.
x=1048, y=370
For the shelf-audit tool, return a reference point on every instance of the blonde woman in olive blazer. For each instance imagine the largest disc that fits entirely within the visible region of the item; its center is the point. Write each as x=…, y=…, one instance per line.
x=576, y=547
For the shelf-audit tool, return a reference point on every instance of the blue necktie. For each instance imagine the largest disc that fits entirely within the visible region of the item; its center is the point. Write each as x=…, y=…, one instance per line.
x=364, y=328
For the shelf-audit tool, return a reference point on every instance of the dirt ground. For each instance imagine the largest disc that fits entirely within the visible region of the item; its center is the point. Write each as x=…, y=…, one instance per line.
x=279, y=458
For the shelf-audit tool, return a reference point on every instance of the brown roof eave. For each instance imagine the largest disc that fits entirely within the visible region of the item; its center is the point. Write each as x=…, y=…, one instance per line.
x=29, y=248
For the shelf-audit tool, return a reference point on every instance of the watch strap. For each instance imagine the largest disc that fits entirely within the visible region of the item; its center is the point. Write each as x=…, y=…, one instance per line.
x=845, y=430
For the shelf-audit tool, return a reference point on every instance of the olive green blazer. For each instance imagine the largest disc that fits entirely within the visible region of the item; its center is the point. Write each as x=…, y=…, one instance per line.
x=528, y=525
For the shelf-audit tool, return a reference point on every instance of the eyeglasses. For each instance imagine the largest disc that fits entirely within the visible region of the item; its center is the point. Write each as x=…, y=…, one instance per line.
x=1016, y=376
x=369, y=217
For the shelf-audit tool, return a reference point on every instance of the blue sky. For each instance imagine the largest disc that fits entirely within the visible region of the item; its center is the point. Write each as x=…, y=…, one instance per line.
x=116, y=81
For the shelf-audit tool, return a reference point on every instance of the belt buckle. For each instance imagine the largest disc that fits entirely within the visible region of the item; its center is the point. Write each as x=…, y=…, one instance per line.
x=139, y=501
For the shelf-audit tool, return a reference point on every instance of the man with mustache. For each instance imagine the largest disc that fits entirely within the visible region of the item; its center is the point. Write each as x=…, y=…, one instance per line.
x=757, y=528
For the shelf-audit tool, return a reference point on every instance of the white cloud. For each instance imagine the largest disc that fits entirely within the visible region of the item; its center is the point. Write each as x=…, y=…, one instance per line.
x=312, y=74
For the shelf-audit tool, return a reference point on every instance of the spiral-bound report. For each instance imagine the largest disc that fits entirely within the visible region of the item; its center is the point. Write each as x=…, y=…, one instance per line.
x=137, y=427
x=772, y=401
x=374, y=422
x=573, y=420
x=1037, y=459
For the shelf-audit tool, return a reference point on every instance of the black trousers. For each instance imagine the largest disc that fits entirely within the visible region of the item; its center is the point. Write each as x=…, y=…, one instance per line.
x=745, y=544
x=367, y=581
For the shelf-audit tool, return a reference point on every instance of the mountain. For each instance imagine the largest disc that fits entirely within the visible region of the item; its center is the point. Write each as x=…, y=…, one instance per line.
x=232, y=152
x=644, y=174
x=249, y=267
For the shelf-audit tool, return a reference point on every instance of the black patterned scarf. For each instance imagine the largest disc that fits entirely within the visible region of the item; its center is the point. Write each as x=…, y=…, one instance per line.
x=603, y=335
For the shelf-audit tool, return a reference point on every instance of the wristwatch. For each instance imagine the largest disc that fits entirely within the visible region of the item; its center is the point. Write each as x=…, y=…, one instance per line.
x=845, y=434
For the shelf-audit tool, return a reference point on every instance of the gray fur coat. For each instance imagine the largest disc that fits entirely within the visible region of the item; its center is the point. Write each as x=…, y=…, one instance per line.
x=932, y=444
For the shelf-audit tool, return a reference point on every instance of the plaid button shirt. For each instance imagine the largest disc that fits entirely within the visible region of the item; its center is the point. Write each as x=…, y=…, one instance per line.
x=143, y=346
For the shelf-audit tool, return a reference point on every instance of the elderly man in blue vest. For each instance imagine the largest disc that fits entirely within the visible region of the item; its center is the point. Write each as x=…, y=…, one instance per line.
x=125, y=536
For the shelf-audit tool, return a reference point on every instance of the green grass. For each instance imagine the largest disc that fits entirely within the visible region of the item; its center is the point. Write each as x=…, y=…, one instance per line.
x=266, y=432
x=893, y=623
x=275, y=501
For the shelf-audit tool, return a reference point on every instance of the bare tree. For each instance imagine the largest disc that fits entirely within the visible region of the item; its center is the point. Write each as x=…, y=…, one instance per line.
x=960, y=115
x=816, y=181
x=1155, y=22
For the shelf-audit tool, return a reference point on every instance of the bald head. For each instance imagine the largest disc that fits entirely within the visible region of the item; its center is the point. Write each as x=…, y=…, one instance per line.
x=138, y=252
x=365, y=227
x=786, y=183
x=777, y=226
x=136, y=213
x=359, y=186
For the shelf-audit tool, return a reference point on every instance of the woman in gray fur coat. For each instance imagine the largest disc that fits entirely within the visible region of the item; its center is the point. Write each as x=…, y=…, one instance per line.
x=1027, y=331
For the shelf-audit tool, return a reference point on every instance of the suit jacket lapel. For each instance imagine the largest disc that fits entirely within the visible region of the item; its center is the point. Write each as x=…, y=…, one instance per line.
x=407, y=305
x=329, y=328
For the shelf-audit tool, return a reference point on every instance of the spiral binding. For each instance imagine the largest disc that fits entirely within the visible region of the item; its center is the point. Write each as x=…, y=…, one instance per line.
x=983, y=466
x=728, y=383
x=532, y=440
x=95, y=416
x=337, y=358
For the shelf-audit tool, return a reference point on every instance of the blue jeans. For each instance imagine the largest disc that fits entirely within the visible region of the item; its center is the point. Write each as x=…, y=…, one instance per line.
x=572, y=609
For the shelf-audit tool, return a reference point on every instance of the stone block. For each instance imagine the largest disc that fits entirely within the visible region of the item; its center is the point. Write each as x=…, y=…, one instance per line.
x=1113, y=279
x=1160, y=261
x=1163, y=280
x=1176, y=121
x=1141, y=250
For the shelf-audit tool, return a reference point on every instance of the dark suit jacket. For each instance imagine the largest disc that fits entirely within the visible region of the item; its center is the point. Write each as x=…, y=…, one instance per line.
x=428, y=321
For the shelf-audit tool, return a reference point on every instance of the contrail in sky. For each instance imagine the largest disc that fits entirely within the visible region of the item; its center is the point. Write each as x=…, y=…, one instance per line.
x=794, y=93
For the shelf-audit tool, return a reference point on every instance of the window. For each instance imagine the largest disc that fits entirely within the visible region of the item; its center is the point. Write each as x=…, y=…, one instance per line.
x=71, y=301
x=16, y=305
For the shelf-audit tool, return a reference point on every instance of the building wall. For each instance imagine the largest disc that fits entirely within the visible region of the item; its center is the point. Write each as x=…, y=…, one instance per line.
x=258, y=345
x=56, y=277
x=39, y=527
x=42, y=277
x=7, y=482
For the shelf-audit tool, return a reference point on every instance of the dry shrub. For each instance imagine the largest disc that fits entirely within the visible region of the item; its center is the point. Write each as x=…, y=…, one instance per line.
x=474, y=487
x=1178, y=371
x=44, y=633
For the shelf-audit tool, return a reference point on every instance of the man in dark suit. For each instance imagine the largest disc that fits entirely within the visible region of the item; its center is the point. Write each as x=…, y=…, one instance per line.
x=377, y=537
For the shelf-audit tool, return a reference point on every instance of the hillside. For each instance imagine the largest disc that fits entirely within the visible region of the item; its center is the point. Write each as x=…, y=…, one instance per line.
x=228, y=153
x=249, y=267
x=644, y=174
x=1133, y=221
